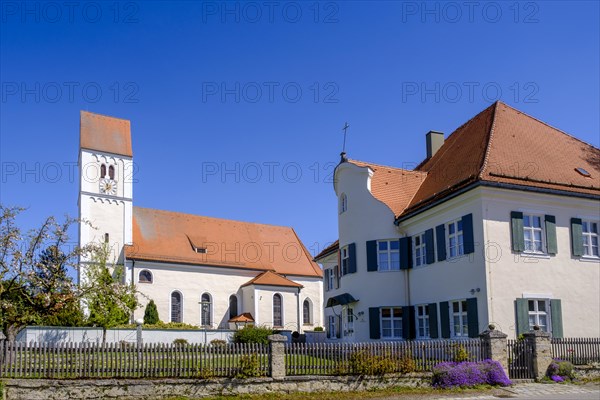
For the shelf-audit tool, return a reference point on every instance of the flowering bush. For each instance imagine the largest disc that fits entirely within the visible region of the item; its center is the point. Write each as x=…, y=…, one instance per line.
x=468, y=374
x=560, y=370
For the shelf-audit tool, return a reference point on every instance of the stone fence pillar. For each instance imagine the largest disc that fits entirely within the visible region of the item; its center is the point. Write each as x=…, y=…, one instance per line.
x=277, y=357
x=494, y=346
x=542, y=351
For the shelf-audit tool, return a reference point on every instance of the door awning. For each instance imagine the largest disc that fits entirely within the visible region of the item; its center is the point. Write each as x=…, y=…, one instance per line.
x=340, y=300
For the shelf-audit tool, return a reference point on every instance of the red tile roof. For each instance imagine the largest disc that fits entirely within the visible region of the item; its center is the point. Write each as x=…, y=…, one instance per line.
x=244, y=317
x=332, y=248
x=270, y=278
x=499, y=145
x=166, y=236
x=104, y=133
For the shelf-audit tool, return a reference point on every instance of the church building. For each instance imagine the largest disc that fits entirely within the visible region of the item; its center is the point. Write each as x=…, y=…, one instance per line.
x=204, y=271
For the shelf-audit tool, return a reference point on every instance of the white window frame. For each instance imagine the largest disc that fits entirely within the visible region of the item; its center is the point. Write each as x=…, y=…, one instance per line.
x=587, y=238
x=348, y=321
x=343, y=203
x=331, y=327
x=536, y=313
x=151, y=281
x=331, y=280
x=344, y=260
x=531, y=229
x=388, y=254
x=171, y=305
x=458, y=235
x=462, y=316
x=424, y=319
x=208, y=304
x=391, y=319
x=420, y=250
x=309, y=314
x=281, y=310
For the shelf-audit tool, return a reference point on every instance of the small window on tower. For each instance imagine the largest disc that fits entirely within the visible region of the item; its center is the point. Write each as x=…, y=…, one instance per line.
x=111, y=172
x=106, y=238
x=102, y=171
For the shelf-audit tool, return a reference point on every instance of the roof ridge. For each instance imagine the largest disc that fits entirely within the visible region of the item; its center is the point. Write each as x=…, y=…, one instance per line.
x=350, y=160
x=550, y=126
x=489, y=142
x=214, y=218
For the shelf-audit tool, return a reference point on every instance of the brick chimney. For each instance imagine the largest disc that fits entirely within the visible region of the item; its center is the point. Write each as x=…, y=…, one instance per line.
x=435, y=140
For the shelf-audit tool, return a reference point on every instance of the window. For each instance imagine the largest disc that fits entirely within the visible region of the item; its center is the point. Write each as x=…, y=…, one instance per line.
x=111, y=172
x=590, y=238
x=538, y=314
x=345, y=260
x=176, y=307
x=331, y=278
x=420, y=250
x=331, y=331
x=145, y=276
x=306, y=312
x=388, y=255
x=233, y=306
x=106, y=238
x=102, y=171
x=455, y=239
x=277, y=310
x=349, y=322
x=422, y=321
x=460, y=324
x=343, y=203
x=391, y=322
x=205, y=310
x=533, y=233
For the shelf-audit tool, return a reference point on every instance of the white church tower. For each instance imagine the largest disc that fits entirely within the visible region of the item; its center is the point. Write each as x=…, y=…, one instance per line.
x=105, y=185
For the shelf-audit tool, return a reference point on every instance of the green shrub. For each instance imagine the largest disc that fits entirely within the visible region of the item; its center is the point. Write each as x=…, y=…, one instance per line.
x=163, y=325
x=205, y=373
x=460, y=353
x=151, y=314
x=180, y=342
x=406, y=364
x=218, y=342
x=364, y=363
x=318, y=329
x=252, y=334
x=249, y=367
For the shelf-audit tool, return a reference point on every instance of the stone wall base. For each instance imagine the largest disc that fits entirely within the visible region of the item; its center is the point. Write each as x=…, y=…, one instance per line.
x=587, y=372
x=158, y=389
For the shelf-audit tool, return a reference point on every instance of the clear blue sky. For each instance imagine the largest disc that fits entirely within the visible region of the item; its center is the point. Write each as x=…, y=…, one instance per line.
x=269, y=86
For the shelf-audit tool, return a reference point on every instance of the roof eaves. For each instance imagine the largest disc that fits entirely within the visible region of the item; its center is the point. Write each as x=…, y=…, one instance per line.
x=488, y=146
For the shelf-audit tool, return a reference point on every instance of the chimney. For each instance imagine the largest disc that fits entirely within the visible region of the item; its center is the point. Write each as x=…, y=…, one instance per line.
x=435, y=140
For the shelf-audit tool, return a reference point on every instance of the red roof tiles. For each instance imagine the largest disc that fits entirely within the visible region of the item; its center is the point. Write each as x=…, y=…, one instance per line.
x=103, y=133
x=270, y=278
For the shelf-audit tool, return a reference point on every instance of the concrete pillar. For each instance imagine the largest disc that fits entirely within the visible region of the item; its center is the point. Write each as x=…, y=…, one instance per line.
x=277, y=358
x=542, y=351
x=495, y=346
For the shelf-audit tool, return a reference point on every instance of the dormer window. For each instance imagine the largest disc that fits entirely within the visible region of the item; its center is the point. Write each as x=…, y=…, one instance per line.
x=200, y=250
x=343, y=203
x=111, y=172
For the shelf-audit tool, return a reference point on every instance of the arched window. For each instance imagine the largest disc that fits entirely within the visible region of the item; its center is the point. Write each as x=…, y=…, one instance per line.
x=277, y=310
x=343, y=203
x=145, y=276
x=176, y=307
x=306, y=312
x=233, y=306
x=111, y=172
x=205, y=310
x=102, y=171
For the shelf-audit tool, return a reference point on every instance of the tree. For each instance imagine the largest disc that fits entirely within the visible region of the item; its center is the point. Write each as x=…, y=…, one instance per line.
x=151, y=314
x=32, y=283
x=109, y=300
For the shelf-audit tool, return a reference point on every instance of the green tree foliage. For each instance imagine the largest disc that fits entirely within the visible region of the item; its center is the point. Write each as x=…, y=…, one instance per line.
x=151, y=314
x=110, y=302
x=252, y=334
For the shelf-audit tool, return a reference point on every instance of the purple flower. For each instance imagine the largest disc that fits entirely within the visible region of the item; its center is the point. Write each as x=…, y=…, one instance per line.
x=467, y=374
x=557, y=378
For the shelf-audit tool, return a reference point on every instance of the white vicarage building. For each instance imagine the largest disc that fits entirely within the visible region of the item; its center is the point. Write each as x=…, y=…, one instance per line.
x=210, y=272
x=499, y=224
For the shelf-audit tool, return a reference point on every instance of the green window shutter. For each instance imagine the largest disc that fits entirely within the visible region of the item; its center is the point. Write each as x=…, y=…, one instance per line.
x=406, y=252
x=576, y=237
x=522, y=313
x=518, y=238
x=440, y=236
x=352, y=258
x=372, y=255
x=445, y=318
x=472, y=317
x=551, y=245
x=468, y=236
x=327, y=272
x=433, y=320
x=374, y=330
x=429, y=250
x=556, y=316
x=408, y=322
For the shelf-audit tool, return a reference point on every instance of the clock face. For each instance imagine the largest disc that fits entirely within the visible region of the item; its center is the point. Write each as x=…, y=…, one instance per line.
x=108, y=186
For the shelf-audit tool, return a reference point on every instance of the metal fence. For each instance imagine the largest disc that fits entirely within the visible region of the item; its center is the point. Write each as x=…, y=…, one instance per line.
x=520, y=359
x=346, y=358
x=579, y=351
x=114, y=360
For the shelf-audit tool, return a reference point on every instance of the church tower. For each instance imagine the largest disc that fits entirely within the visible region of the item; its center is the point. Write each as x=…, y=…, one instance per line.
x=105, y=184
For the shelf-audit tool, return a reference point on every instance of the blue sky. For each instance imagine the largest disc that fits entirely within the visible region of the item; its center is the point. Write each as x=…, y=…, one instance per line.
x=237, y=108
